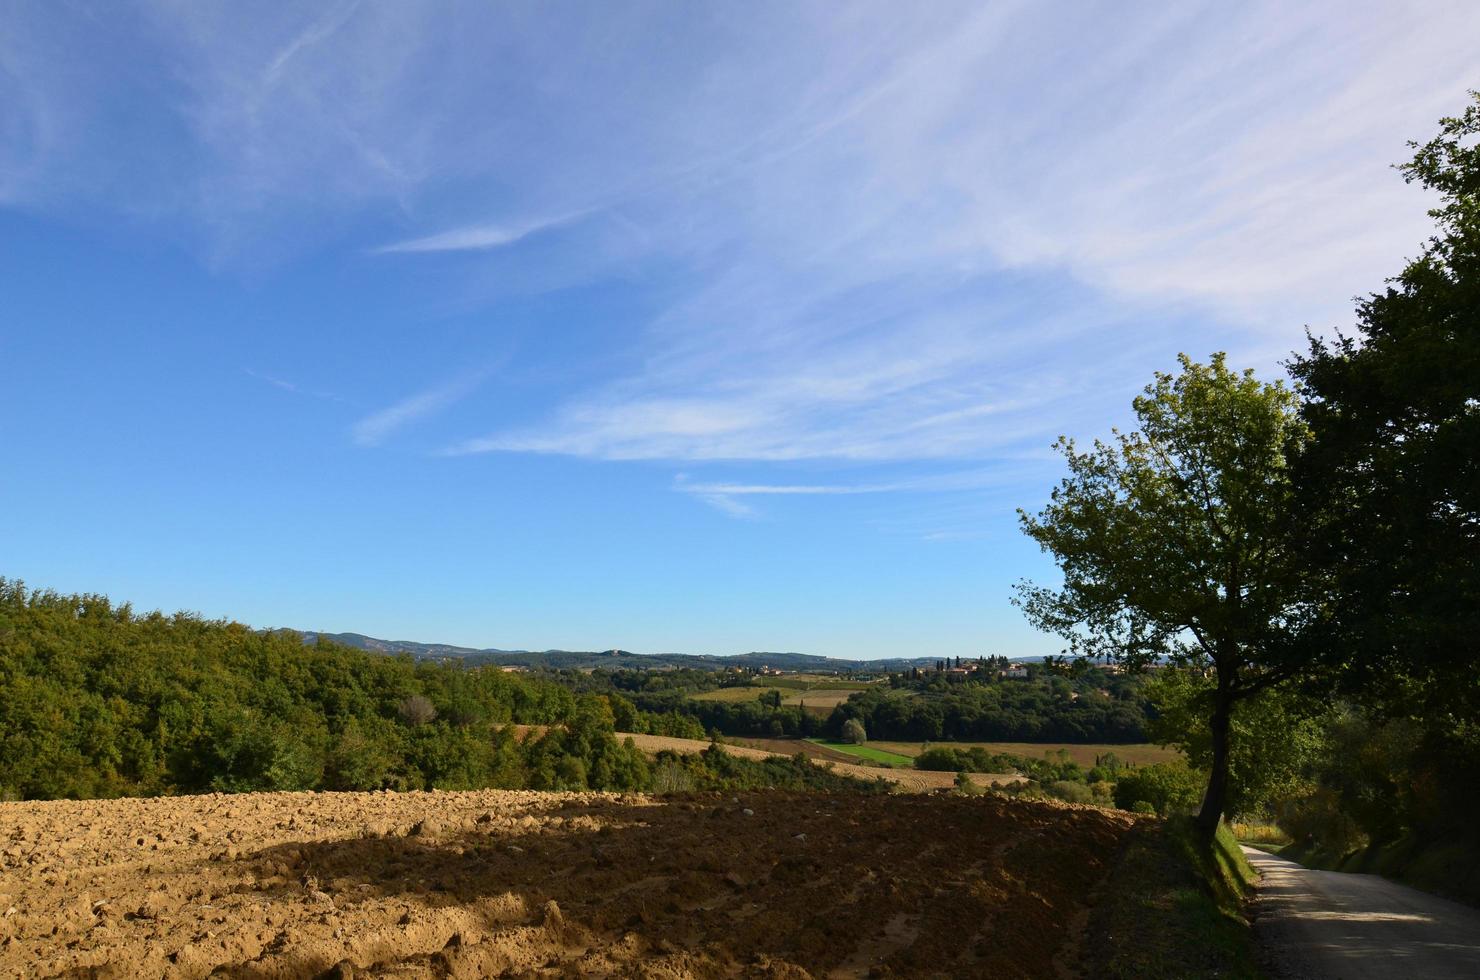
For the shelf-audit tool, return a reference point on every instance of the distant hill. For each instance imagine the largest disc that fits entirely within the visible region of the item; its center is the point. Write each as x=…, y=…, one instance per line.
x=576, y=659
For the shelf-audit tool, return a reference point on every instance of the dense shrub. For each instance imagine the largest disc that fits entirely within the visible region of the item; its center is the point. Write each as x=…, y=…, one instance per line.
x=1168, y=787
x=942, y=758
x=1070, y=791
x=716, y=769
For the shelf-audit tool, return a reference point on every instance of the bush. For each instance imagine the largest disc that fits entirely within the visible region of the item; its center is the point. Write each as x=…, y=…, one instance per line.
x=417, y=710
x=940, y=760
x=716, y=769
x=1070, y=792
x=944, y=759
x=1170, y=787
x=1319, y=821
x=670, y=777
x=853, y=732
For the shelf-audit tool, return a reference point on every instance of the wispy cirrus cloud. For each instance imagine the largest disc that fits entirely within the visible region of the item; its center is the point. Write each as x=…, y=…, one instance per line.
x=378, y=426
x=316, y=32
x=294, y=387
x=723, y=496
x=479, y=237
x=730, y=497
x=884, y=234
x=879, y=272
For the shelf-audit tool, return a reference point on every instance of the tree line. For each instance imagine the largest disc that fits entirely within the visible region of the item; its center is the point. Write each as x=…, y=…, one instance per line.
x=98, y=701
x=1060, y=706
x=1047, y=710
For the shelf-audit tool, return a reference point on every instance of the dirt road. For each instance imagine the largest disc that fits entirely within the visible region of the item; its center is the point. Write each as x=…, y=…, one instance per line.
x=479, y=884
x=1320, y=924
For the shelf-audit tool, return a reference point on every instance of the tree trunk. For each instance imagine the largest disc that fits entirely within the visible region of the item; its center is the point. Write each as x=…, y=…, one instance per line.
x=1217, y=795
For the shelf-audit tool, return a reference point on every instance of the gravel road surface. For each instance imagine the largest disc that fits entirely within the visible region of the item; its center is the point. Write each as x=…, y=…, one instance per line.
x=1328, y=924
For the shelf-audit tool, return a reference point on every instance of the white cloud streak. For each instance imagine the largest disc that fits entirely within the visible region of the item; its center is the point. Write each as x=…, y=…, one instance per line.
x=729, y=506
x=723, y=496
x=377, y=427
x=870, y=234
x=293, y=387
x=478, y=237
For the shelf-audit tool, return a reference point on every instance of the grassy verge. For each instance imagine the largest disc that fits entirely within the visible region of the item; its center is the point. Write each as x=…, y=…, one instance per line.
x=1173, y=907
x=867, y=752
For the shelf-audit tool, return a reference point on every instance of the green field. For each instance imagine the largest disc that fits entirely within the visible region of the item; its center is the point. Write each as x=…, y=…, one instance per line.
x=1141, y=755
x=867, y=752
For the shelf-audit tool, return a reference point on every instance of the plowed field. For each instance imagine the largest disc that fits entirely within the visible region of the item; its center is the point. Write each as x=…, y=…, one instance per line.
x=544, y=884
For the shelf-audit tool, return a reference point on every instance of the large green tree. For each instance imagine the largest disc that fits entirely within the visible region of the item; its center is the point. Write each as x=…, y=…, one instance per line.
x=1390, y=487
x=1389, y=493
x=1175, y=541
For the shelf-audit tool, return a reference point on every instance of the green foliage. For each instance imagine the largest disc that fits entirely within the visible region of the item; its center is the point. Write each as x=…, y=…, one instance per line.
x=1391, y=485
x=1095, y=707
x=943, y=758
x=1177, y=540
x=1171, y=537
x=98, y=702
x=1070, y=791
x=1390, y=495
x=95, y=701
x=1169, y=788
x=1090, y=706
x=1277, y=737
x=1381, y=779
x=716, y=769
x=1055, y=777
x=853, y=732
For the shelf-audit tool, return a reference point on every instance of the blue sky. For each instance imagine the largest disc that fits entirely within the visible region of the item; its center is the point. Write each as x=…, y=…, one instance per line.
x=698, y=327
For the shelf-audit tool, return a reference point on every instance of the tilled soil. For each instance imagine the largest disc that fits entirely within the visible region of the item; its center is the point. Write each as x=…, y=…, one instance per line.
x=491, y=883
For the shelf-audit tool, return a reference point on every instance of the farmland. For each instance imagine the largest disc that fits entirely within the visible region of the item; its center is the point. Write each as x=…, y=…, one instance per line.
x=491, y=882
x=871, y=753
x=818, y=695
x=904, y=780
x=1141, y=755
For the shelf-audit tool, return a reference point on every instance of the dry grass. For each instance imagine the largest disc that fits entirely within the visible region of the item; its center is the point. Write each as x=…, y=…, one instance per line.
x=1259, y=833
x=824, y=697
x=814, y=699
x=729, y=694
